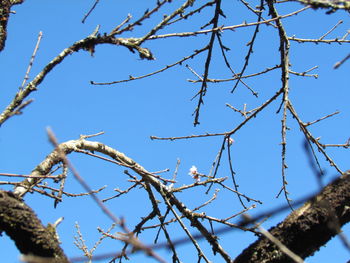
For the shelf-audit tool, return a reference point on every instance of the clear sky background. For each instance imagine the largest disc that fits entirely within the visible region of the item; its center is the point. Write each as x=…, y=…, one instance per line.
x=161, y=105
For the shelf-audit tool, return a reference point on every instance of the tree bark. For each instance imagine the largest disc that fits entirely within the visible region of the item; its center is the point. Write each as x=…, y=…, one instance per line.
x=5, y=6
x=23, y=226
x=308, y=228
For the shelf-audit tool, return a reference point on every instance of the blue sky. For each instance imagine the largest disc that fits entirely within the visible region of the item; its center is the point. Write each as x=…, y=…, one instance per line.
x=161, y=105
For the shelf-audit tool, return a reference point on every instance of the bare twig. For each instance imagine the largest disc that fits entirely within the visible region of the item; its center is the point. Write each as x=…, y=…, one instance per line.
x=26, y=77
x=90, y=11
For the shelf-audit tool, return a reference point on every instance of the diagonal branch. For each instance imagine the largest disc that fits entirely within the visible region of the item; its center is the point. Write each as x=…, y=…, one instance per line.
x=22, y=225
x=87, y=44
x=306, y=229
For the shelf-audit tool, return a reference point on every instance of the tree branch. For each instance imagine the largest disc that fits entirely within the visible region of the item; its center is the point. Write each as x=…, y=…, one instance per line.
x=308, y=228
x=22, y=225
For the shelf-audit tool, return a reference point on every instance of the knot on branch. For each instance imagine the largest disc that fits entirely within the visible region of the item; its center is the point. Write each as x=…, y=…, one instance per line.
x=133, y=44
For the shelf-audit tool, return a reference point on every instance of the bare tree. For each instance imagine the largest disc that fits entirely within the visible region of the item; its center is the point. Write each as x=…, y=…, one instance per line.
x=313, y=219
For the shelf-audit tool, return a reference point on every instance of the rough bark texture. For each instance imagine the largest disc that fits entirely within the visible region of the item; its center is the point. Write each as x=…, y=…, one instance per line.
x=5, y=6
x=307, y=229
x=22, y=225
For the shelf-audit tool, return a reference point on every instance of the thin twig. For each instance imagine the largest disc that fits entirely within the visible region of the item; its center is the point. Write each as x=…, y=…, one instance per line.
x=26, y=77
x=90, y=11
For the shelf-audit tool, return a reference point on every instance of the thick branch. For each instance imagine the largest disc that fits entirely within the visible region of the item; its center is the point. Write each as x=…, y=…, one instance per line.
x=22, y=225
x=77, y=145
x=305, y=230
x=5, y=8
